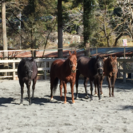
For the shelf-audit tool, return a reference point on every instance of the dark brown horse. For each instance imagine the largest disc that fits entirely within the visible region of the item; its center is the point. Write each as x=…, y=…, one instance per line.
x=65, y=70
x=110, y=71
x=27, y=71
x=91, y=69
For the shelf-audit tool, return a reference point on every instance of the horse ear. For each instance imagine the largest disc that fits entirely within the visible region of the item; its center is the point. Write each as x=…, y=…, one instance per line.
x=97, y=56
x=70, y=53
x=110, y=57
x=104, y=59
x=115, y=57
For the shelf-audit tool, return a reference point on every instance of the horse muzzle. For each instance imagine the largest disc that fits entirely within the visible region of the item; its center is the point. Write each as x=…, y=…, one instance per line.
x=73, y=71
x=100, y=71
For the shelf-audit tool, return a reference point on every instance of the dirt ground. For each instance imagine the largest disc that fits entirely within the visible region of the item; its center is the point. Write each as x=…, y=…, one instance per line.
x=109, y=115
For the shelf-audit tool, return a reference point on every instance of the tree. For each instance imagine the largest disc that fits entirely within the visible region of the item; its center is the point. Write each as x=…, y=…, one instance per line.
x=104, y=15
x=5, y=47
x=60, y=34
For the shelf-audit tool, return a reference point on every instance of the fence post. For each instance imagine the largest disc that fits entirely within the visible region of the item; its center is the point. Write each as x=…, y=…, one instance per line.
x=45, y=75
x=13, y=70
x=124, y=73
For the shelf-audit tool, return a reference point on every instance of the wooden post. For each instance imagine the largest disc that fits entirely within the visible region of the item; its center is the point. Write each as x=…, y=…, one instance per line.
x=96, y=49
x=14, y=70
x=45, y=74
x=124, y=73
x=124, y=53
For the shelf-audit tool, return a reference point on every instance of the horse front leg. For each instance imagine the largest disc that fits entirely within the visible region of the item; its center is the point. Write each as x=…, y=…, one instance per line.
x=109, y=85
x=28, y=91
x=85, y=86
x=65, y=91
x=72, y=91
x=99, y=87
x=33, y=87
x=22, y=91
x=113, y=84
x=101, y=82
x=95, y=84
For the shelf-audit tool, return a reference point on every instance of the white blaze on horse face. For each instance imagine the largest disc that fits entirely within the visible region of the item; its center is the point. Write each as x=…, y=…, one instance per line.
x=73, y=64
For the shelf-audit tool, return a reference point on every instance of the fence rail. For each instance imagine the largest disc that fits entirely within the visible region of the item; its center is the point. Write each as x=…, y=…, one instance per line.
x=122, y=68
x=45, y=64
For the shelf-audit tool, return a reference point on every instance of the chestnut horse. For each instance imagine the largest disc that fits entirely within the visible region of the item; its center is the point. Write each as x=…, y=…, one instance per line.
x=91, y=69
x=110, y=71
x=27, y=71
x=65, y=70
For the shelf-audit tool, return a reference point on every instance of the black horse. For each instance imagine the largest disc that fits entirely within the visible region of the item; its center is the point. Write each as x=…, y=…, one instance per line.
x=91, y=69
x=27, y=71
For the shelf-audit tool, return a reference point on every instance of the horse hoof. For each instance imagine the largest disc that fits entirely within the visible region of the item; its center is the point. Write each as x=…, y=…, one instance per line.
x=51, y=99
x=73, y=102
x=87, y=97
x=77, y=98
x=95, y=94
x=21, y=104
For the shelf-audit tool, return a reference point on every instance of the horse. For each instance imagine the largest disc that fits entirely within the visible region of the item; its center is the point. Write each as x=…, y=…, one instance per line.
x=27, y=71
x=110, y=71
x=65, y=70
x=92, y=70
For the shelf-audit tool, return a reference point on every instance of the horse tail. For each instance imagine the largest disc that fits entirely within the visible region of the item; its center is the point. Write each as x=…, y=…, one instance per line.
x=55, y=83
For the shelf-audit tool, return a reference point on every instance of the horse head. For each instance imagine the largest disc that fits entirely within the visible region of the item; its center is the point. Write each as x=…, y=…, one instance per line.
x=73, y=61
x=99, y=65
x=113, y=64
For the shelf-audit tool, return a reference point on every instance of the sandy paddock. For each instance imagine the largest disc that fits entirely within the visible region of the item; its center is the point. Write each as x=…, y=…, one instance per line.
x=109, y=115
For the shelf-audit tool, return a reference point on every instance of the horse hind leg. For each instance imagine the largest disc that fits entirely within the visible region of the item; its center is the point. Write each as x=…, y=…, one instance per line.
x=22, y=91
x=77, y=78
x=61, y=85
x=51, y=89
x=91, y=88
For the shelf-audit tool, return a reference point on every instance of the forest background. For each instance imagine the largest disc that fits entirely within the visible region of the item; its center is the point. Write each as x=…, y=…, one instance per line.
x=39, y=24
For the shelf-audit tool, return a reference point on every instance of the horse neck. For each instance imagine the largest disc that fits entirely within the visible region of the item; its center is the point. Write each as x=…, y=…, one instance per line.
x=107, y=66
x=67, y=67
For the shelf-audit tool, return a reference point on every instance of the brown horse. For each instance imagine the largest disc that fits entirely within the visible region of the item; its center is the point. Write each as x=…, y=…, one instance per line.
x=91, y=69
x=65, y=70
x=110, y=71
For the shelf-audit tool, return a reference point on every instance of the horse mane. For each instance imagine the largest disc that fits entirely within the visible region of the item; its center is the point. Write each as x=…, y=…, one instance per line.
x=27, y=59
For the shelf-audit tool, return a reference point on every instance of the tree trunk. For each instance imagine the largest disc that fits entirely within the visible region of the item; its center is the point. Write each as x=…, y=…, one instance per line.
x=4, y=29
x=86, y=16
x=60, y=34
x=108, y=43
x=118, y=37
x=4, y=33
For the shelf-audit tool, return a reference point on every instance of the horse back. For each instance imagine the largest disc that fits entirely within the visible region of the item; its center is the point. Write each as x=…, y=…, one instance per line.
x=56, y=67
x=83, y=65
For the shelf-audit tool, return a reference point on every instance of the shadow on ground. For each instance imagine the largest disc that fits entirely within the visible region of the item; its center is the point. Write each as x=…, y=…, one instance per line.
x=5, y=101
